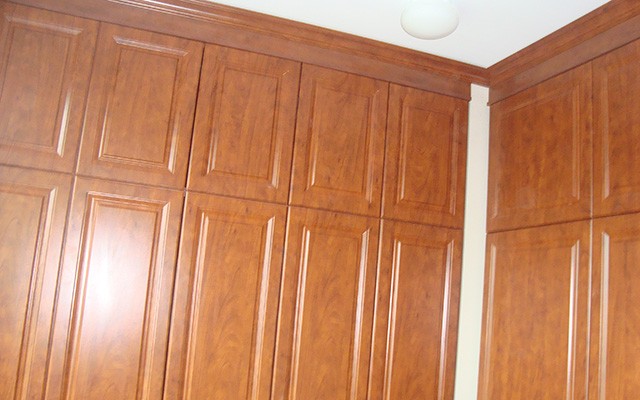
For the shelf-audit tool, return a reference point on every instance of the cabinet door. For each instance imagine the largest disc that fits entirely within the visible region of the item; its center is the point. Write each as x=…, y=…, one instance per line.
x=114, y=299
x=426, y=157
x=416, y=313
x=140, y=110
x=617, y=131
x=243, y=135
x=45, y=62
x=616, y=318
x=540, y=164
x=339, y=148
x=536, y=314
x=326, y=315
x=33, y=208
x=224, y=319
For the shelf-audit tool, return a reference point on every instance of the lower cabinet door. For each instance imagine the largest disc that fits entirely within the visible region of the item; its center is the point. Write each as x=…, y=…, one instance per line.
x=226, y=302
x=326, y=314
x=416, y=313
x=536, y=314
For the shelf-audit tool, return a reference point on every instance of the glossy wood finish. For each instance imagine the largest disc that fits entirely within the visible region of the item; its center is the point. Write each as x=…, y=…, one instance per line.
x=245, y=121
x=617, y=131
x=113, y=307
x=140, y=110
x=326, y=313
x=540, y=164
x=33, y=209
x=227, y=292
x=416, y=313
x=536, y=314
x=340, y=138
x=615, y=344
x=425, y=157
x=46, y=64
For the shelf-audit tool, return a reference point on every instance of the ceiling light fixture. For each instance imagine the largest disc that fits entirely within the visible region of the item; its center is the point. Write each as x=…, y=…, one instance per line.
x=430, y=19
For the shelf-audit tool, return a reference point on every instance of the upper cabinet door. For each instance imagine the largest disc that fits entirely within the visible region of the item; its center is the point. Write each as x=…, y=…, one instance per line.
x=245, y=121
x=339, y=149
x=540, y=164
x=426, y=157
x=45, y=67
x=617, y=131
x=141, y=103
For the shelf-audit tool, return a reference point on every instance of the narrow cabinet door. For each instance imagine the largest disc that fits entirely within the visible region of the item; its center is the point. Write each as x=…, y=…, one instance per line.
x=140, y=110
x=227, y=291
x=45, y=63
x=113, y=307
x=326, y=312
x=416, y=313
x=245, y=121
x=339, y=148
x=33, y=209
x=536, y=314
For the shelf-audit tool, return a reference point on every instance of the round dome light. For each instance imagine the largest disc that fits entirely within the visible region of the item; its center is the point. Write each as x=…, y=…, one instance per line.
x=430, y=19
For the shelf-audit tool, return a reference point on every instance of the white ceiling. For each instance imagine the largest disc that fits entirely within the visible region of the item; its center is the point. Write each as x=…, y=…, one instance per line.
x=489, y=30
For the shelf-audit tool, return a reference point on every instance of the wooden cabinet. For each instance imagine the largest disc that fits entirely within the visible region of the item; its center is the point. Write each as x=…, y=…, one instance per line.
x=340, y=139
x=33, y=208
x=536, y=314
x=540, y=164
x=425, y=157
x=140, y=110
x=46, y=64
x=416, y=313
x=245, y=120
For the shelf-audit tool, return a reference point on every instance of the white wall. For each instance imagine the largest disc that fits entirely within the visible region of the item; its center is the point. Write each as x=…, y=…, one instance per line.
x=470, y=325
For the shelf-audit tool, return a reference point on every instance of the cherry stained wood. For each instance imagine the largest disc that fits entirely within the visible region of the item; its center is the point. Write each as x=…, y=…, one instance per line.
x=44, y=69
x=616, y=79
x=227, y=292
x=245, y=121
x=140, y=110
x=540, y=164
x=326, y=313
x=425, y=157
x=340, y=138
x=536, y=314
x=112, y=322
x=33, y=209
x=416, y=313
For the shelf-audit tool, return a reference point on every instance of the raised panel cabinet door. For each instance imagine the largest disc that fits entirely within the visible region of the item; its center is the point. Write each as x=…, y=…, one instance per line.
x=615, y=340
x=339, y=147
x=45, y=64
x=141, y=105
x=115, y=289
x=536, y=314
x=33, y=209
x=326, y=313
x=616, y=82
x=416, y=313
x=540, y=147
x=245, y=120
x=227, y=292
x=426, y=157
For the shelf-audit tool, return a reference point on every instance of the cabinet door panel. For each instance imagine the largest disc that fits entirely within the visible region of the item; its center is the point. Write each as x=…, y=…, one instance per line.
x=617, y=131
x=46, y=62
x=33, y=209
x=324, y=331
x=224, y=324
x=540, y=164
x=426, y=157
x=245, y=122
x=339, y=148
x=141, y=104
x=536, y=314
x=416, y=313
